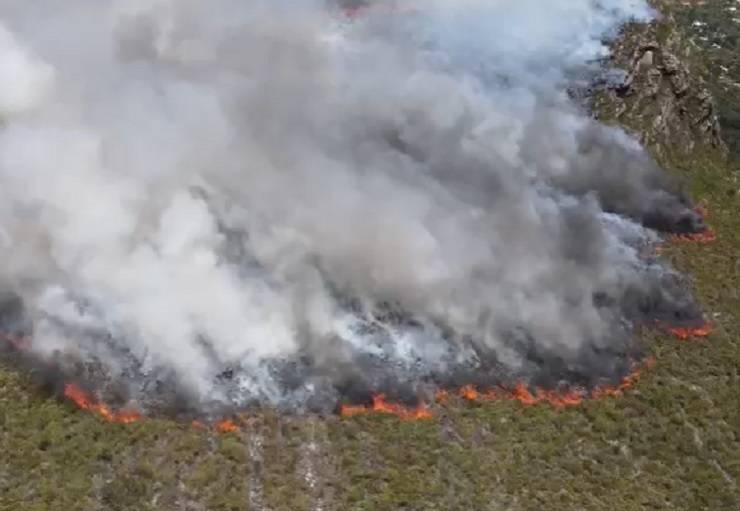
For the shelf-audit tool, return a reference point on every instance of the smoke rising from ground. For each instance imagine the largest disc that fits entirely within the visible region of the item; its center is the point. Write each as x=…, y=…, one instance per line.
x=272, y=200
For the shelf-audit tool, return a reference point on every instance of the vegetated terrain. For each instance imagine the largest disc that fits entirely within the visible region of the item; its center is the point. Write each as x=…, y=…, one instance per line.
x=671, y=442
x=714, y=27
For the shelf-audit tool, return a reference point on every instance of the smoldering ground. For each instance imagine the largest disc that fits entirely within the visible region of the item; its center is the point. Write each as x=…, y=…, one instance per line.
x=272, y=202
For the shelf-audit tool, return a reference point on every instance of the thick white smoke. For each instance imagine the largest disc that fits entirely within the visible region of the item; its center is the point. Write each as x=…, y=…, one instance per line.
x=210, y=185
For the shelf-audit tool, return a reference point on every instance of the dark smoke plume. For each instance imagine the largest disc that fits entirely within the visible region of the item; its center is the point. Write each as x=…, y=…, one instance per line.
x=233, y=201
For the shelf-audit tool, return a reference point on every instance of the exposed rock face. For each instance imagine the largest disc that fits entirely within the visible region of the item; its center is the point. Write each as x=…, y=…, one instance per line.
x=661, y=99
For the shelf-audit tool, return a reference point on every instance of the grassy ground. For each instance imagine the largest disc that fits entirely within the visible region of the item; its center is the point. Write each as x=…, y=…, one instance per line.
x=714, y=27
x=673, y=442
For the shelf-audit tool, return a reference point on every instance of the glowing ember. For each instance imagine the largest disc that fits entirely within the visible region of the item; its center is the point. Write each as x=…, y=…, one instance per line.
x=687, y=333
x=226, y=426
x=380, y=405
x=86, y=402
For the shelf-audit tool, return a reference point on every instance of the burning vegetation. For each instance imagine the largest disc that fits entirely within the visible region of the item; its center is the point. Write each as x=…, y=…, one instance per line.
x=692, y=332
x=705, y=235
x=519, y=393
x=396, y=219
x=85, y=401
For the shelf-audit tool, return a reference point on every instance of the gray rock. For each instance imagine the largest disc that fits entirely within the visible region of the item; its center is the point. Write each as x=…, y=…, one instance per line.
x=658, y=93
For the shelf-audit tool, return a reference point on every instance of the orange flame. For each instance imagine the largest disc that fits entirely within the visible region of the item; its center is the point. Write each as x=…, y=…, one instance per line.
x=226, y=426
x=86, y=402
x=559, y=399
x=126, y=417
x=687, y=333
x=626, y=383
x=521, y=393
x=380, y=405
x=472, y=393
x=469, y=392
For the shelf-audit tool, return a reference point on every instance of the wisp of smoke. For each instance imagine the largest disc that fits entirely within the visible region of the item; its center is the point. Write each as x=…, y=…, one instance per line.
x=277, y=201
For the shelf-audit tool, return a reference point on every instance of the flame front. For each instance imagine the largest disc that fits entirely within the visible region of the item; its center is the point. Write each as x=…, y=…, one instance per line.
x=688, y=333
x=520, y=392
x=86, y=402
x=380, y=405
x=469, y=392
x=226, y=426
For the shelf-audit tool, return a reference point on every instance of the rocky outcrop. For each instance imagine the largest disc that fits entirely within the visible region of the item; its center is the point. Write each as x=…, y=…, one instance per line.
x=661, y=97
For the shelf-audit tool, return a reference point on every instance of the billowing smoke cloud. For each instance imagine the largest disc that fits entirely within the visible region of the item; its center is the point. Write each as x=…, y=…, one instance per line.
x=286, y=201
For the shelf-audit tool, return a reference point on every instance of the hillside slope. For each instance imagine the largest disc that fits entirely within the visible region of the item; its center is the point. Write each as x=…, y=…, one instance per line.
x=671, y=442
